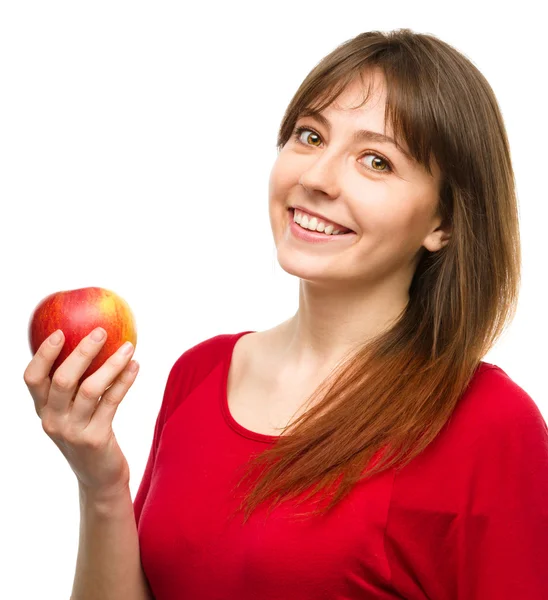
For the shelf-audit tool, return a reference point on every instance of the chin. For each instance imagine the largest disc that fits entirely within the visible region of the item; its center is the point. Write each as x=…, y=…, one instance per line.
x=315, y=269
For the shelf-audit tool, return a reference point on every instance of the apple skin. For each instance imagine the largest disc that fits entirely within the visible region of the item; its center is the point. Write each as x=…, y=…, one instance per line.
x=77, y=313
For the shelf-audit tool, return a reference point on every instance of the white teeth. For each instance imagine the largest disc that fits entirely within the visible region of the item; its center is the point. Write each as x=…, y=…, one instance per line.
x=313, y=224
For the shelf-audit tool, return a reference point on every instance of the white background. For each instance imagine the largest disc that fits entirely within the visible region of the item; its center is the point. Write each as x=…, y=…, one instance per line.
x=136, y=143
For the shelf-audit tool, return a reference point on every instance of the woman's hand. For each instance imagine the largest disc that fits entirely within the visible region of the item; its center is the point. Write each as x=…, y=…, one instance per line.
x=79, y=420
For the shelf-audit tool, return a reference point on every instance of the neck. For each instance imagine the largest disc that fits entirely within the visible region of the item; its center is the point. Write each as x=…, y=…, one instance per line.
x=328, y=325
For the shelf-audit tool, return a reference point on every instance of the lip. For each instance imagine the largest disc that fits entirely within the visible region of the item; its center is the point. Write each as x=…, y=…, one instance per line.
x=325, y=219
x=318, y=239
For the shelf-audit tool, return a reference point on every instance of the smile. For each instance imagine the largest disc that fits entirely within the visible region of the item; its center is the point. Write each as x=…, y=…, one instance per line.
x=303, y=233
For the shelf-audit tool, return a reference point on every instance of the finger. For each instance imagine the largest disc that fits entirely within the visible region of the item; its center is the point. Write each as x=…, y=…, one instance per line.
x=102, y=418
x=64, y=382
x=94, y=386
x=36, y=375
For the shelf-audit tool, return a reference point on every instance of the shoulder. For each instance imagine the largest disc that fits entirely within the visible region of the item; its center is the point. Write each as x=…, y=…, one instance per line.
x=477, y=494
x=202, y=357
x=194, y=365
x=498, y=405
x=209, y=350
x=496, y=428
x=495, y=425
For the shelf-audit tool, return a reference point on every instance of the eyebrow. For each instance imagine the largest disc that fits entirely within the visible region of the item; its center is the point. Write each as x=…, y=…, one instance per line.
x=361, y=135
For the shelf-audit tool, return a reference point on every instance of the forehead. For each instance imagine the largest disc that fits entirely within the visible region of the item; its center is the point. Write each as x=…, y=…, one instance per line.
x=363, y=103
x=363, y=97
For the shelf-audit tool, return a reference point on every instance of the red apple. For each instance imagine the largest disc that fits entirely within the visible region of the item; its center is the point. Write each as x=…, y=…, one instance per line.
x=77, y=313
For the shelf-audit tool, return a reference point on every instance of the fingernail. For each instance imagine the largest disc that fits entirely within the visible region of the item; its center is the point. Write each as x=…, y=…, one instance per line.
x=56, y=337
x=98, y=334
x=126, y=348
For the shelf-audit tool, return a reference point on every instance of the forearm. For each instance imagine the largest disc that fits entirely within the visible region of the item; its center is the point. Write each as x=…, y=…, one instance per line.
x=108, y=566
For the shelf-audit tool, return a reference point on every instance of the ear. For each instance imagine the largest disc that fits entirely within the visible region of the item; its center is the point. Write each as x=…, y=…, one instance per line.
x=438, y=238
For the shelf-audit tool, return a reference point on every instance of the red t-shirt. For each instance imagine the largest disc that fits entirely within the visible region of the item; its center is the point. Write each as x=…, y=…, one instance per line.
x=467, y=519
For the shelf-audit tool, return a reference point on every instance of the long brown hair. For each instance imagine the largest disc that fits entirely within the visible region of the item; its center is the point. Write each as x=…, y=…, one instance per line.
x=397, y=391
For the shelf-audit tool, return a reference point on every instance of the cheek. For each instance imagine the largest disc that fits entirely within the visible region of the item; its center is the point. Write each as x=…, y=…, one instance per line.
x=282, y=185
x=284, y=174
x=392, y=210
x=402, y=231
x=385, y=218
x=391, y=229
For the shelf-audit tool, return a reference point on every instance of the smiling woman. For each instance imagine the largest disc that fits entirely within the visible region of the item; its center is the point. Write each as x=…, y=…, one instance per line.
x=429, y=465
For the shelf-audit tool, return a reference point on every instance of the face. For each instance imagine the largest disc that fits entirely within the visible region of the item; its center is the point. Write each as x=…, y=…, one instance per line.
x=389, y=201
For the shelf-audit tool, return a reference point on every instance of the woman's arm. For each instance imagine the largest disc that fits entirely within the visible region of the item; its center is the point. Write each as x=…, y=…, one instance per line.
x=108, y=566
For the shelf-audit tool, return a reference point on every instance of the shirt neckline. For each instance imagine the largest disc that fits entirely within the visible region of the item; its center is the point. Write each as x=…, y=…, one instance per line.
x=232, y=423
x=255, y=435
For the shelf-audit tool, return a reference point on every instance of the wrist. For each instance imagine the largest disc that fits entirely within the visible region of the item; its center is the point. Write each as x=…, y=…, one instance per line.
x=105, y=501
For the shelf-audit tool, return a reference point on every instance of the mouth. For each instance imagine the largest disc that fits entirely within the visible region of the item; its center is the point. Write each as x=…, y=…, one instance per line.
x=343, y=230
x=315, y=237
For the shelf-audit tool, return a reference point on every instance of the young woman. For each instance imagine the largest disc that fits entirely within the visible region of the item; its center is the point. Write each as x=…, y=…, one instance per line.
x=361, y=449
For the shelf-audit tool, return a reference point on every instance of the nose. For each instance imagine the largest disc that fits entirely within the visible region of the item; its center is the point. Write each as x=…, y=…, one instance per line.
x=321, y=176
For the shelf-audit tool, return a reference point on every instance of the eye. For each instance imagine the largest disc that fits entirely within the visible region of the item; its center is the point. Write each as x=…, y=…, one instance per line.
x=377, y=160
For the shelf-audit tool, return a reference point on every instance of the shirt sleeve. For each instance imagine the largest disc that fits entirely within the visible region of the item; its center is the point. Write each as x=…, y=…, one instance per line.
x=187, y=371
x=502, y=543
x=468, y=518
x=144, y=486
